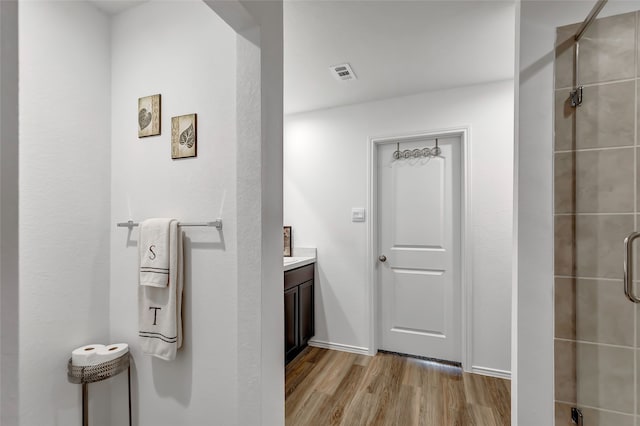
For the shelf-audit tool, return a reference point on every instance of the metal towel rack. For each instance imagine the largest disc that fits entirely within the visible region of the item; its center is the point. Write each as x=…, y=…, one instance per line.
x=216, y=223
x=96, y=373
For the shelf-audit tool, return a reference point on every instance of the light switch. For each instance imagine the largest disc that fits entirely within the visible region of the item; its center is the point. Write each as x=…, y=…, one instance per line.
x=357, y=214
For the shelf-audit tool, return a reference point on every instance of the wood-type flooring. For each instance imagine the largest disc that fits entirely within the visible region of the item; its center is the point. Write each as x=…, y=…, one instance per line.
x=325, y=387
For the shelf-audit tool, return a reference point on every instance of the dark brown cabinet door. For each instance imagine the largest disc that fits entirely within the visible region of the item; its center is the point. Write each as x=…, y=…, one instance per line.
x=291, y=342
x=298, y=310
x=305, y=301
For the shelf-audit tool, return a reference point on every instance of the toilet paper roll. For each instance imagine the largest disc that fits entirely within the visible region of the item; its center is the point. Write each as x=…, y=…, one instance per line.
x=86, y=355
x=111, y=352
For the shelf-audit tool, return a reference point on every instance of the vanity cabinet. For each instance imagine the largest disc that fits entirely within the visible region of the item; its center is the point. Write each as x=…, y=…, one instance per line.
x=298, y=310
x=290, y=326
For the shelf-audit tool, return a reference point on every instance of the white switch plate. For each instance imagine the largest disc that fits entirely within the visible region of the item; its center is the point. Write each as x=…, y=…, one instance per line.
x=357, y=214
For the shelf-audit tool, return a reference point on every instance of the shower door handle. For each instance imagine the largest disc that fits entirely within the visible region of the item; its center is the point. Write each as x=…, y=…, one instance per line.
x=628, y=266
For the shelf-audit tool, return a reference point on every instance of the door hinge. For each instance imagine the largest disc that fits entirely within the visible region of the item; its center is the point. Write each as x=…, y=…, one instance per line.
x=576, y=416
x=576, y=97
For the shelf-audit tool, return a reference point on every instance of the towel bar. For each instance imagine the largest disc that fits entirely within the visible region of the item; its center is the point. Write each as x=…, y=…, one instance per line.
x=216, y=223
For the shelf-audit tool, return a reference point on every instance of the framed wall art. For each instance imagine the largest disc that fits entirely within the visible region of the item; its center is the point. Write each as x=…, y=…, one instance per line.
x=287, y=241
x=149, y=116
x=184, y=136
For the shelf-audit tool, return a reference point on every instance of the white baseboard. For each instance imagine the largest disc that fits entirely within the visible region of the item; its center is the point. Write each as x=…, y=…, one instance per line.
x=493, y=372
x=485, y=371
x=339, y=347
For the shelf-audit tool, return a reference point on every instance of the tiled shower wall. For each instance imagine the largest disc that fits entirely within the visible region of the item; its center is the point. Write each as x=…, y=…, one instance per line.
x=596, y=206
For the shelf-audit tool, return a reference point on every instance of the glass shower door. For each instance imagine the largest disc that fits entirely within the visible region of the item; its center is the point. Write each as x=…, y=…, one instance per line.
x=595, y=209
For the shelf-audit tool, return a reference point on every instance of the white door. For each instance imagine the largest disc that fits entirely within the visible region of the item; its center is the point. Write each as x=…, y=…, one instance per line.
x=419, y=234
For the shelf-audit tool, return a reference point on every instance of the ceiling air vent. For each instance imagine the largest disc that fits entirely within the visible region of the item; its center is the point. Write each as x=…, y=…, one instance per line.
x=343, y=72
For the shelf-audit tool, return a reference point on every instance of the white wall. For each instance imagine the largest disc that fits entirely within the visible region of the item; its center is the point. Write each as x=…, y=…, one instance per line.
x=64, y=202
x=184, y=51
x=326, y=175
x=9, y=217
x=533, y=390
x=259, y=197
x=270, y=305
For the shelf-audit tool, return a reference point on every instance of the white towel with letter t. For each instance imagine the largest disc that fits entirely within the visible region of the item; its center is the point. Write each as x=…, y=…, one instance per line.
x=160, y=308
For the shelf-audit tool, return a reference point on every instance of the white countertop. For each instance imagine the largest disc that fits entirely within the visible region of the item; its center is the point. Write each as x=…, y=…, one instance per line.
x=301, y=257
x=296, y=262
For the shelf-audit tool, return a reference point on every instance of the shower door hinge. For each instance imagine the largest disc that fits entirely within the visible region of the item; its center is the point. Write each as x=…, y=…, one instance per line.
x=576, y=97
x=576, y=416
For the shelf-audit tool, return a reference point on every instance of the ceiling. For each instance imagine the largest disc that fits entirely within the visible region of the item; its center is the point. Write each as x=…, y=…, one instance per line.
x=395, y=48
x=113, y=7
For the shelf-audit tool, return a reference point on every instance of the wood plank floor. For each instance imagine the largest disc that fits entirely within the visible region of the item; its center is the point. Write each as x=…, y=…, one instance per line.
x=325, y=387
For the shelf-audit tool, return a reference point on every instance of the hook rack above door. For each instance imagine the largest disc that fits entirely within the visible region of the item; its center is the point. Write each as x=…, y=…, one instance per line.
x=416, y=153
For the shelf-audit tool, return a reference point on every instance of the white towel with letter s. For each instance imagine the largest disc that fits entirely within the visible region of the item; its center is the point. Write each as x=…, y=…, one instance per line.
x=154, y=252
x=160, y=308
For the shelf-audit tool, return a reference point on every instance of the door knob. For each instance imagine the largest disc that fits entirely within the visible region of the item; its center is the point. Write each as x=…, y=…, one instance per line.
x=382, y=258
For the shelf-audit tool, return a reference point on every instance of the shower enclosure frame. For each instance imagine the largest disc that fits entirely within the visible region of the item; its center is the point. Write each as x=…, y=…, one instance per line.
x=576, y=93
x=588, y=146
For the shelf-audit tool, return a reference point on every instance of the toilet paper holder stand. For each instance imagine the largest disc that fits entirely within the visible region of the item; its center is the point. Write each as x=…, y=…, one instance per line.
x=96, y=373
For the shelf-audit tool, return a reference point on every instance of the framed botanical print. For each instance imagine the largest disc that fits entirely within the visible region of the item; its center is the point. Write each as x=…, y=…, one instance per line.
x=184, y=136
x=149, y=116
